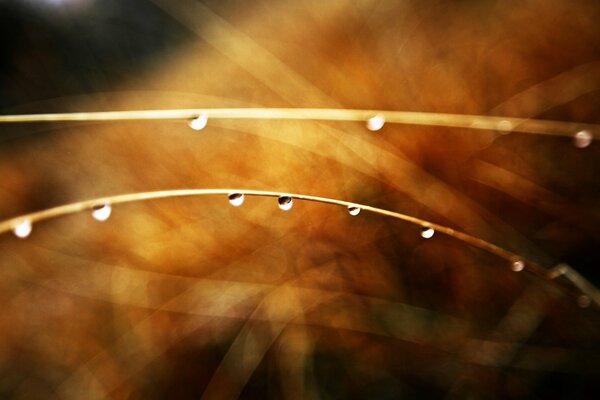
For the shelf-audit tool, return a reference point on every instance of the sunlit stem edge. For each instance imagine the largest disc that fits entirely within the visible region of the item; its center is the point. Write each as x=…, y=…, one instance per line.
x=480, y=122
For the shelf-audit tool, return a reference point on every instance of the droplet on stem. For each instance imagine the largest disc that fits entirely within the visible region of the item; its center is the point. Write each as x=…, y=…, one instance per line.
x=505, y=126
x=236, y=199
x=584, y=301
x=376, y=122
x=427, y=232
x=582, y=139
x=22, y=229
x=199, y=122
x=518, y=265
x=353, y=210
x=101, y=212
x=285, y=202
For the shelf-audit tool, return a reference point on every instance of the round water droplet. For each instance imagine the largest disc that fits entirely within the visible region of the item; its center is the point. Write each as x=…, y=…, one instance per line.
x=199, y=122
x=376, y=122
x=22, y=229
x=584, y=301
x=505, y=126
x=582, y=139
x=353, y=210
x=236, y=199
x=101, y=212
x=518, y=265
x=285, y=202
x=427, y=232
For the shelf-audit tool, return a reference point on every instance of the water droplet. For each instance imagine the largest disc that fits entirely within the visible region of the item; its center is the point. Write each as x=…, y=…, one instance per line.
x=518, y=265
x=505, y=126
x=427, y=232
x=376, y=122
x=236, y=199
x=584, y=301
x=285, y=202
x=101, y=212
x=353, y=210
x=582, y=139
x=22, y=229
x=199, y=122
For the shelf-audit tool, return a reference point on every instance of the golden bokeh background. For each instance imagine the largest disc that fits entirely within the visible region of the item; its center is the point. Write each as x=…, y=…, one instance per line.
x=193, y=298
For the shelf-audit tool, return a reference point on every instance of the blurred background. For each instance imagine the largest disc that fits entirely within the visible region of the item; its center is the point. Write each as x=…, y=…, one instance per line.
x=192, y=298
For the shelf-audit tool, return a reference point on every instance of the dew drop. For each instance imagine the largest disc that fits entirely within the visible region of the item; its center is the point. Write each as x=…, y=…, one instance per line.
x=285, y=202
x=236, y=199
x=584, y=301
x=22, y=229
x=199, y=122
x=376, y=122
x=518, y=265
x=353, y=210
x=582, y=139
x=427, y=232
x=505, y=126
x=101, y=212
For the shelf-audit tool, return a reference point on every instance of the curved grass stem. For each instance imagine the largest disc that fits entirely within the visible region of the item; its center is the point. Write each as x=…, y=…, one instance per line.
x=478, y=122
x=576, y=279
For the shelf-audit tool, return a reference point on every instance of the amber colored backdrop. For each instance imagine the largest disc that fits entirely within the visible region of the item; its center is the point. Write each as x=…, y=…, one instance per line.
x=185, y=298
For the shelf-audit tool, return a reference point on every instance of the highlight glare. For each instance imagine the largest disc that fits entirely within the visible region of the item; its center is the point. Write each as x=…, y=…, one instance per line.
x=427, y=232
x=518, y=266
x=376, y=122
x=285, y=202
x=101, y=212
x=199, y=122
x=236, y=199
x=22, y=229
x=582, y=139
x=353, y=210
